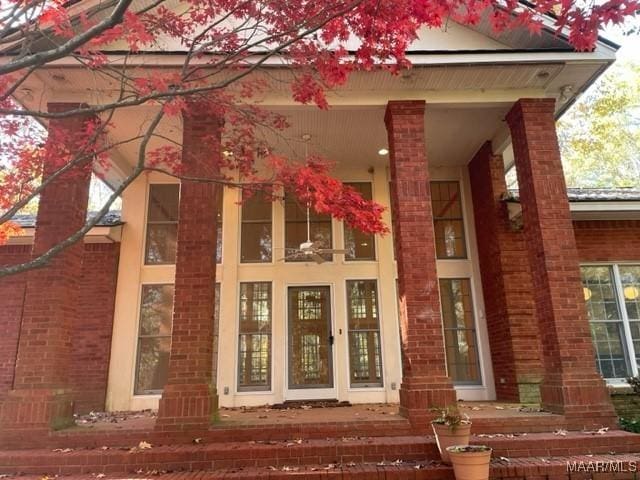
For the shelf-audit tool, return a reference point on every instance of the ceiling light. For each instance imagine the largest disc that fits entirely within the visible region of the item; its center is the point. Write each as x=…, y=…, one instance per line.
x=383, y=151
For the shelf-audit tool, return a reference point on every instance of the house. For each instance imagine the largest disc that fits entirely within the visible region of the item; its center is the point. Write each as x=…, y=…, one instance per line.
x=479, y=294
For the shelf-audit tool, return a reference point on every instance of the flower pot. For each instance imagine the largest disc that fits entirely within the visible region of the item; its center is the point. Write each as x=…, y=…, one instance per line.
x=447, y=436
x=470, y=462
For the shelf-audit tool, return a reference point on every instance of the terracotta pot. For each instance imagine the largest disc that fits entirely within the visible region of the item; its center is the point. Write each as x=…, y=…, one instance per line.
x=447, y=436
x=470, y=465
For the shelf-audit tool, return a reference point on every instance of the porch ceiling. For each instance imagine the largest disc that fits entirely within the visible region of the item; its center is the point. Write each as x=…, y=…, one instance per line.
x=350, y=137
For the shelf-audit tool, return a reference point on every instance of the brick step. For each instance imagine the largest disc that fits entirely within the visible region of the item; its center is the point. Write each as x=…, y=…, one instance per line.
x=114, y=436
x=578, y=467
x=294, y=453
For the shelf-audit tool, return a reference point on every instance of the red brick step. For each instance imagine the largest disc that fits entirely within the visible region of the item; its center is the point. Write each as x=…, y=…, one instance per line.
x=603, y=467
x=297, y=452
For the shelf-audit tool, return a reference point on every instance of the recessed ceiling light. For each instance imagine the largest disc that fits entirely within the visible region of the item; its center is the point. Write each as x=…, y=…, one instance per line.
x=383, y=151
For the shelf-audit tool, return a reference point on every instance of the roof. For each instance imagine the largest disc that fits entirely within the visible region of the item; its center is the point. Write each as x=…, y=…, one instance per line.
x=111, y=219
x=591, y=195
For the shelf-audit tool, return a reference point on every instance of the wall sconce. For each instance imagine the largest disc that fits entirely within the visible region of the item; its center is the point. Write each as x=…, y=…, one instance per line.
x=631, y=292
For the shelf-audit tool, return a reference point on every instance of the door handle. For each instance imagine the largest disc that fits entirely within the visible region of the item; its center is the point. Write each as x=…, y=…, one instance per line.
x=330, y=339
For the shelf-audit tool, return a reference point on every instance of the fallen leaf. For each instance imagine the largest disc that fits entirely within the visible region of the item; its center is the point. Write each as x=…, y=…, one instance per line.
x=197, y=440
x=144, y=445
x=498, y=407
x=561, y=432
x=504, y=459
x=63, y=450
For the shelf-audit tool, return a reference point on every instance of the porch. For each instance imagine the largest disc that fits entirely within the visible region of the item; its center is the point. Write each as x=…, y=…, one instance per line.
x=358, y=441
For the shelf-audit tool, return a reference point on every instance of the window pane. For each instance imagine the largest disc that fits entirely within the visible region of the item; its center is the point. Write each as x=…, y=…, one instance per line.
x=219, y=208
x=606, y=323
x=459, y=330
x=365, y=359
x=162, y=224
x=161, y=243
x=154, y=341
x=163, y=203
x=296, y=228
x=630, y=280
x=254, y=342
x=216, y=326
x=156, y=310
x=153, y=364
x=448, y=222
x=359, y=246
x=256, y=230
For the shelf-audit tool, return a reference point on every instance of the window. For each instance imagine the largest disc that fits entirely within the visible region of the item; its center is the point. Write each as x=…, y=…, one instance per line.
x=359, y=246
x=295, y=230
x=254, y=342
x=216, y=326
x=220, y=208
x=612, y=296
x=365, y=359
x=162, y=224
x=447, y=220
x=154, y=338
x=459, y=331
x=255, y=244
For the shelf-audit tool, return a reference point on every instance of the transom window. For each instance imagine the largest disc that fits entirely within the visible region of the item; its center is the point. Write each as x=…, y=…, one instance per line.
x=254, y=342
x=460, y=331
x=255, y=245
x=162, y=224
x=448, y=221
x=365, y=359
x=359, y=245
x=295, y=229
x=612, y=296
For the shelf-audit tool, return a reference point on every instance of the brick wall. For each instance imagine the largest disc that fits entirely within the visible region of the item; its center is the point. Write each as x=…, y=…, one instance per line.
x=608, y=240
x=92, y=342
x=91, y=334
x=507, y=286
x=12, y=295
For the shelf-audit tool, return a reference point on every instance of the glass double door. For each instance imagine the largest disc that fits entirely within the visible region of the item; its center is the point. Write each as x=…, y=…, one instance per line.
x=310, y=343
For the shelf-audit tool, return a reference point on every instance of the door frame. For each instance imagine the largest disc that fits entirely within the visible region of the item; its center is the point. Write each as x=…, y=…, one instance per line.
x=310, y=393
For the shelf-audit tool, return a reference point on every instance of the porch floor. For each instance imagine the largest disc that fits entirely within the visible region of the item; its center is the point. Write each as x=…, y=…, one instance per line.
x=269, y=415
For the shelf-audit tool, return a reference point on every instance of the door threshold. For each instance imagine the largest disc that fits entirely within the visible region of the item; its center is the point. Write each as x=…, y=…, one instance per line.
x=311, y=403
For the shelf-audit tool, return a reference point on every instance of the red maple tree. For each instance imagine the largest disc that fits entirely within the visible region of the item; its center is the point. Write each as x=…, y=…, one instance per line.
x=225, y=46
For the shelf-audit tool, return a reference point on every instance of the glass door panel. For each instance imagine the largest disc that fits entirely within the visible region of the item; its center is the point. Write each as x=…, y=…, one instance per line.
x=310, y=338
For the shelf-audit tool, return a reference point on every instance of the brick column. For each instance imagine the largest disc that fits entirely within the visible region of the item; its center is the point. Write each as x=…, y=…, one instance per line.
x=507, y=285
x=189, y=400
x=424, y=374
x=41, y=395
x=571, y=385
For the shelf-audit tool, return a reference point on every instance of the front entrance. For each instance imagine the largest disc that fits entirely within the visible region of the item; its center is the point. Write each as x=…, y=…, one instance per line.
x=310, y=343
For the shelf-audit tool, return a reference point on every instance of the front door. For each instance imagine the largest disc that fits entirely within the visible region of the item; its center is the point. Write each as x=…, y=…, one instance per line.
x=310, y=343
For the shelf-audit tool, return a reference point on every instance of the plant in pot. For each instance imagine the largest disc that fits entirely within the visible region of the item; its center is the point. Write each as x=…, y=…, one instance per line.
x=451, y=428
x=470, y=462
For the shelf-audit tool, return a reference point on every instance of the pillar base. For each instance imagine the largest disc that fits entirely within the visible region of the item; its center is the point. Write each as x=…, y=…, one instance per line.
x=36, y=410
x=187, y=407
x=584, y=401
x=422, y=397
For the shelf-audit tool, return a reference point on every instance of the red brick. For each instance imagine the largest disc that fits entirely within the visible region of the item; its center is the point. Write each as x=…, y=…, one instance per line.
x=506, y=283
x=189, y=398
x=571, y=384
x=424, y=382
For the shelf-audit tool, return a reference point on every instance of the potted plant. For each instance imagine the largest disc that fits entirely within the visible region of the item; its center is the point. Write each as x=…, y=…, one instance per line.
x=451, y=428
x=470, y=462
